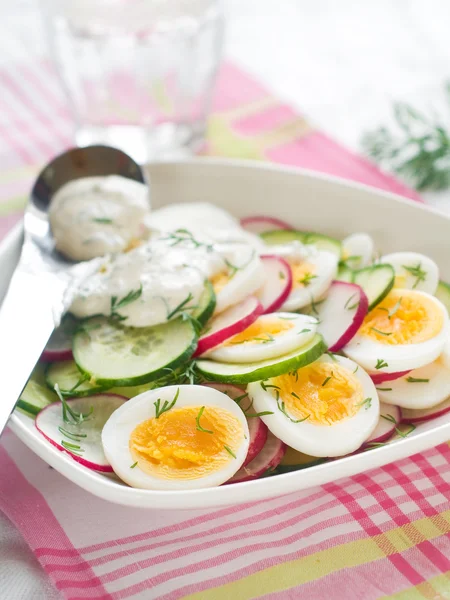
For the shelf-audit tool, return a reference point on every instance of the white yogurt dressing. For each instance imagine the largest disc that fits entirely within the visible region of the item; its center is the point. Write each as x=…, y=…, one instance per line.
x=163, y=273
x=205, y=221
x=95, y=216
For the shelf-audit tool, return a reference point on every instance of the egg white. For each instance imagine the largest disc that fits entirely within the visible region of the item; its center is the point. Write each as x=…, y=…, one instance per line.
x=339, y=439
x=401, y=357
x=358, y=249
x=412, y=259
x=248, y=276
x=418, y=395
x=117, y=431
x=326, y=266
x=283, y=343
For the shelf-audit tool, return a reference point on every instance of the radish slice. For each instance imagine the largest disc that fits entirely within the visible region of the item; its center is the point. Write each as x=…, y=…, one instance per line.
x=83, y=441
x=341, y=314
x=278, y=284
x=382, y=377
x=260, y=223
x=232, y=321
x=257, y=429
x=269, y=458
x=59, y=346
x=425, y=414
x=386, y=426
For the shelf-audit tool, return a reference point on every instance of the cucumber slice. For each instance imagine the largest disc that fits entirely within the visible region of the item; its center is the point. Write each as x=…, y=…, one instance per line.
x=36, y=394
x=115, y=355
x=70, y=380
x=376, y=281
x=344, y=273
x=206, y=305
x=443, y=294
x=248, y=372
x=294, y=461
x=322, y=242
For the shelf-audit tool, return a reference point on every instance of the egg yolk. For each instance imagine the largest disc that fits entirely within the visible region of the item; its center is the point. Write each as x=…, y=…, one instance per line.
x=219, y=281
x=321, y=393
x=303, y=274
x=260, y=332
x=403, y=317
x=185, y=443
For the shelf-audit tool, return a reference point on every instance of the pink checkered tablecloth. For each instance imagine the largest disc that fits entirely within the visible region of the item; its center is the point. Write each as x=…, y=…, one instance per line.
x=380, y=534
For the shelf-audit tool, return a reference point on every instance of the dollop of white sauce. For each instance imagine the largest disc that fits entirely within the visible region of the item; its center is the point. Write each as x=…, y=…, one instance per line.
x=205, y=221
x=95, y=216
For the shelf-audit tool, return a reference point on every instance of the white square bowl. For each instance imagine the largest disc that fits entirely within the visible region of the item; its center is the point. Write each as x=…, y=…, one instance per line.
x=308, y=201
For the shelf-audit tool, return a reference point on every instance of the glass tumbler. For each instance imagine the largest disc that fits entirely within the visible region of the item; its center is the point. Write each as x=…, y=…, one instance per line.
x=138, y=74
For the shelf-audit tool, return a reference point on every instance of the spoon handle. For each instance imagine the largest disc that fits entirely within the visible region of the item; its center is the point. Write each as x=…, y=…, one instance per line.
x=27, y=318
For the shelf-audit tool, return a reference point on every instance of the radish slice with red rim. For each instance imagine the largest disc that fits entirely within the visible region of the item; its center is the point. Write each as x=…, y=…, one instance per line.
x=267, y=460
x=425, y=414
x=59, y=346
x=81, y=440
x=382, y=377
x=341, y=314
x=390, y=418
x=257, y=429
x=278, y=284
x=233, y=320
x=261, y=223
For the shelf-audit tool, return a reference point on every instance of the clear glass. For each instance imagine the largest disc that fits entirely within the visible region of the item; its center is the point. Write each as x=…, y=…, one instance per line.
x=138, y=74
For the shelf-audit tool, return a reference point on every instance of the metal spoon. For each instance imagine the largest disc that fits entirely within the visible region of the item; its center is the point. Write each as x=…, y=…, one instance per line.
x=38, y=296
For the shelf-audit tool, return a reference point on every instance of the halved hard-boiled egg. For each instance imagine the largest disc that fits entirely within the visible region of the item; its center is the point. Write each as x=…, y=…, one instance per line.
x=177, y=438
x=312, y=273
x=407, y=330
x=328, y=408
x=241, y=273
x=413, y=271
x=269, y=336
x=358, y=250
x=421, y=388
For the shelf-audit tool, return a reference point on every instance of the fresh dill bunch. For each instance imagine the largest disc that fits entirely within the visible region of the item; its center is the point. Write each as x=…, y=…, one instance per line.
x=418, y=151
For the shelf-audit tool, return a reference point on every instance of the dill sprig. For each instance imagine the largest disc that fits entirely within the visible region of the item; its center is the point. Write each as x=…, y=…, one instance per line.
x=166, y=406
x=180, y=236
x=307, y=278
x=416, y=272
x=381, y=364
x=418, y=150
x=119, y=303
x=70, y=416
x=282, y=408
x=197, y=422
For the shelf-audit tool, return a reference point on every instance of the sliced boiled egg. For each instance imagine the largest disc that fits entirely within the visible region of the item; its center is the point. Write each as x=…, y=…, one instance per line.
x=312, y=274
x=328, y=408
x=421, y=388
x=269, y=336
x=358, y=250
x=177, y=438
x=407, y=330
x=241, y=273
x=413, y=271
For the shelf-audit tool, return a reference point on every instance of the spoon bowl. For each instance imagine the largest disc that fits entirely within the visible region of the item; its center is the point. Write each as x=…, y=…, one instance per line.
x=75, y=163
x=45, y=281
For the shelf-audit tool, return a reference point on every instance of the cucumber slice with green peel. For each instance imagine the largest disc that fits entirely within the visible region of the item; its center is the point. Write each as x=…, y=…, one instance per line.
x=345, y=274
x=294, y=461
x=443, y=294
x=70, y=380
x=322, y=242
x=115, y=355
x=36, y=394
x=73, y=384
x=206, y=305
x=257, y=371
x=376, y=281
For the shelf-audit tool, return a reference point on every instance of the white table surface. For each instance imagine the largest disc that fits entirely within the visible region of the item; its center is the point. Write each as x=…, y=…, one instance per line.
x=341, y=63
